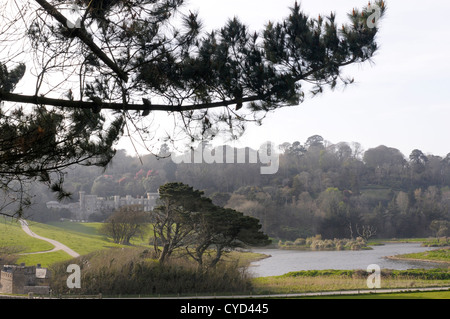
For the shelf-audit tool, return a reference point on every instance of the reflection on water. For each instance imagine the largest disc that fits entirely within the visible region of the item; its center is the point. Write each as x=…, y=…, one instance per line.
x=284, y=261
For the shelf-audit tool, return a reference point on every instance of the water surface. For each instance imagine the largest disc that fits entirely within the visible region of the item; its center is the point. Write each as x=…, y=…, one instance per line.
x=284, y=261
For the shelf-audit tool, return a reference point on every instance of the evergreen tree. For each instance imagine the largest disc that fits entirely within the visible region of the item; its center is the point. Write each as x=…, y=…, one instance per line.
x=101, y=66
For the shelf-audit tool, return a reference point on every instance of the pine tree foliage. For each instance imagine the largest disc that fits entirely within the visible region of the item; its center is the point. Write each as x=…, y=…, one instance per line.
x=101, y=66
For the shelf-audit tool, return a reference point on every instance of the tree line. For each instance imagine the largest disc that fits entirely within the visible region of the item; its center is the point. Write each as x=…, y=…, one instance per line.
x=335, y=190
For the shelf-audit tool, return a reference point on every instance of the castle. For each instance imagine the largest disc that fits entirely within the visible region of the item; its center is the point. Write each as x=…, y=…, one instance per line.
x=24, y=279
x=90, y=204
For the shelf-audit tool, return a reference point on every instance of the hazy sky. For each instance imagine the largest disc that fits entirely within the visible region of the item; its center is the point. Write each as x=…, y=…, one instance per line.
x=402, y=100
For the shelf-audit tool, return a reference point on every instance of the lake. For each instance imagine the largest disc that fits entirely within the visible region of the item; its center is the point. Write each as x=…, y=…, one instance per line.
x=284, y=261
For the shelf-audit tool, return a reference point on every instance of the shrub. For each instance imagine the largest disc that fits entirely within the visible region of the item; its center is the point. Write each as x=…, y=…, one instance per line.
x=317, y=243
x=133, y=271
x=289, y=243
x=437, y=242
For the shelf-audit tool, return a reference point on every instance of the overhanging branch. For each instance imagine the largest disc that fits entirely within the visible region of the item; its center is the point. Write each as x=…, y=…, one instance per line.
x=41, y=100
x=81, y=34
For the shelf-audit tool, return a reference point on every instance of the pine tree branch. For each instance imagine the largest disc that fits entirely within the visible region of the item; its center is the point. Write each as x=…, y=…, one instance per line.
x=41, y=100
x=145, y=106
x=82, y=34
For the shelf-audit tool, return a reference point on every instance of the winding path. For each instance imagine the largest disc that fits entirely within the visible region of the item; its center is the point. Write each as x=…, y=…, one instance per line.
x=58, y=245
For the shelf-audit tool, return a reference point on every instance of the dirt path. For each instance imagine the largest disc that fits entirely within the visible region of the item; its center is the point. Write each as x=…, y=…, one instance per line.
x=58, y=245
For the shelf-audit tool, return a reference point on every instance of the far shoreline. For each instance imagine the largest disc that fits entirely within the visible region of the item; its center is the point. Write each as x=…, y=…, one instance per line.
x=401, y=257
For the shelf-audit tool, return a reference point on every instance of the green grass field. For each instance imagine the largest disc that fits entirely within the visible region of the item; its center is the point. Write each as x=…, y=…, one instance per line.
x=336, y=280
x=439, y=255
x=403, y=295
x=85, y=238
x=81, y=237
x=12, y=235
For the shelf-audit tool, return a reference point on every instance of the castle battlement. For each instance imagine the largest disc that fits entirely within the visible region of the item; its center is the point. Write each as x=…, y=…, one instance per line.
x=24, y=279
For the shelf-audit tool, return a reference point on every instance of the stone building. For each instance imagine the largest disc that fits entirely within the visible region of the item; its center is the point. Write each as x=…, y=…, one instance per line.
x=24, y=279
x=90, y=204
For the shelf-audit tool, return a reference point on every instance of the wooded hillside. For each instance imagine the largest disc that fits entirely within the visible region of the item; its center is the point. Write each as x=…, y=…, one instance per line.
x=336, y=190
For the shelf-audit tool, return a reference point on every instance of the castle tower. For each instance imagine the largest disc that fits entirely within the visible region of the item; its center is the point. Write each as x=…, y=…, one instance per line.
x=14, y=279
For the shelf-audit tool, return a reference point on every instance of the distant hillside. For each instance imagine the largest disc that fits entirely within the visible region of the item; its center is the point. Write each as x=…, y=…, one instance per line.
x=336, y=190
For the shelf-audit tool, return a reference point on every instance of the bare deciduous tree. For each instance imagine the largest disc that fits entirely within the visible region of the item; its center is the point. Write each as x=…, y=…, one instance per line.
x=366, y=231
x=126, y=223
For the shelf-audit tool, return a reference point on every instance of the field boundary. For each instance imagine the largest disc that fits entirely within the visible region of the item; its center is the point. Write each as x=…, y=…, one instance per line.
x=313, y=294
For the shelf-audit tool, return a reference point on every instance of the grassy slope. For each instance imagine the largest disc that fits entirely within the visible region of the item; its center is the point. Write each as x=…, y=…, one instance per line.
x=12, y=235
x=82, y=238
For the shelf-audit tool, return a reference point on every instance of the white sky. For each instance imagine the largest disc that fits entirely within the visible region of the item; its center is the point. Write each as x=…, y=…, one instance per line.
x=401, y=101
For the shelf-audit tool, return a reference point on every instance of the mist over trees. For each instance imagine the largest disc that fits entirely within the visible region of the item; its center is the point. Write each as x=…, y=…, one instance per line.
x=91, y=72
x=336, y=190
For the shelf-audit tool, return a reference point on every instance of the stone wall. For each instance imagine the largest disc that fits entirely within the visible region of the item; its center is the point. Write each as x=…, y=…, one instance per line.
x=23, y=279
x=38, y=290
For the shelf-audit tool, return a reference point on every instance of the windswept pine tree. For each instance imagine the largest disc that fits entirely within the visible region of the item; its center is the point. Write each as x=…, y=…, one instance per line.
x=97, y=68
